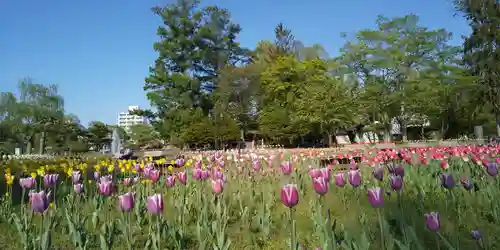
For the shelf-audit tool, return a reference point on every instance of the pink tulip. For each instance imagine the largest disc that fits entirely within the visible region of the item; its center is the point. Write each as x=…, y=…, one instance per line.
x=290, y=195
x=105, y=187
x=154, y=175
x=182, y=177
x=217, y=186
x=127, y=182
x=155, y=204
x=197, y=173
x=314, y=173
x=256, y=164
x=339, y=179
x=126, y=201
x=27, y=183
x=197, y=164
x=376, y=197
x=170, y=181
x=320, y=185
x=286, y=168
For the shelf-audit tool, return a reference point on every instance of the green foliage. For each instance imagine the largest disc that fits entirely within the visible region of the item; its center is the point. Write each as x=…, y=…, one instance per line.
x=142, y=134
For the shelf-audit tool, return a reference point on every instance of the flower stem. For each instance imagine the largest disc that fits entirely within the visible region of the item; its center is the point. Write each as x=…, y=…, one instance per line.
x=381, y=225
x=292, y=231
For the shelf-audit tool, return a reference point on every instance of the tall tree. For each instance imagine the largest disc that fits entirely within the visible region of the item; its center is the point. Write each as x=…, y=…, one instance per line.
x=482, y=48
x=99, y=135
x=394, y=55
x=195, y=43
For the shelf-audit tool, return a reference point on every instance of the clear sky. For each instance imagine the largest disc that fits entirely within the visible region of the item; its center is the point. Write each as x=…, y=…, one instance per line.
x=98, y=51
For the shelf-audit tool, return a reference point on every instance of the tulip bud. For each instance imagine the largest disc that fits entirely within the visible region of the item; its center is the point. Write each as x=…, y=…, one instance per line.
x=339, y=179
x=155, y=204
x=396, y=182
x=290, y=195
x=126, y=201
x=354, y=178
x=432, y=221
x=320, y=185
x=376, y=197
x=39, y=201
x=217, y=186
x=78, y=188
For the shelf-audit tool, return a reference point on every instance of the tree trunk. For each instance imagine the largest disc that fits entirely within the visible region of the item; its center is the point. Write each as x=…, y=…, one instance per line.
x=330, y=139
x=42, y=142
x=404, y=131
x=28, y=146
x=242, y=134
x=387, y=134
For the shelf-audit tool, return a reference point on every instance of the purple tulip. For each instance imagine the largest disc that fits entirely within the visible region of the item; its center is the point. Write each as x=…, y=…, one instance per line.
x=290, y=195
x=320, y=185
x=197, y=173
x=218, y=174
x=378, y=173
x=27, y=183
x=492, y=169
x=256, y=164
x=78, y=188
x=432, y=221
x=205, y=174
x=170, y=181
x=476, y=235
x=466, y=183
x=126, y=201
x=197, y=164
x=76, y=177
x=354, y=178
x=397, y=169
x=396, y=182
x=447, y=181
x=97, y=176
x=50, y=180
x=155, y=204
x=325, y=173
x=39, y=201
x=376, y=197
x=180, y=162
x=154, y=175
x=106, y=178
x=286, y=168
x=339, y=179
x=105, y=187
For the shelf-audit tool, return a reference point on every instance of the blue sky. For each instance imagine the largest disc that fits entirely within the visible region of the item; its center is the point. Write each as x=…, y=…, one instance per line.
x=98, y=52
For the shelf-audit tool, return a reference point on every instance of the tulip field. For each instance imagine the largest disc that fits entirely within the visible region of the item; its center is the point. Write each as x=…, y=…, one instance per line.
x=408, y=198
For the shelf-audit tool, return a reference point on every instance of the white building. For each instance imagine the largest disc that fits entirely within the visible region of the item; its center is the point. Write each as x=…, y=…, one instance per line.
x=126, y=120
